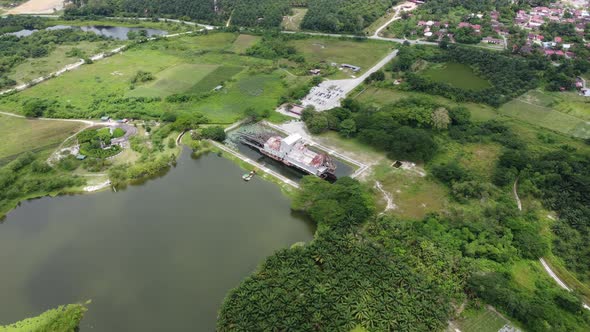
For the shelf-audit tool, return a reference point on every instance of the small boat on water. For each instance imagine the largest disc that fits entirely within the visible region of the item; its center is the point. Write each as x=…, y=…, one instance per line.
x=249, y=176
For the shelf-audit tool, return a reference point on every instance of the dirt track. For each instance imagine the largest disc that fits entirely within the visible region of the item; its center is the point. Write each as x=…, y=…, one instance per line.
x=38, y=7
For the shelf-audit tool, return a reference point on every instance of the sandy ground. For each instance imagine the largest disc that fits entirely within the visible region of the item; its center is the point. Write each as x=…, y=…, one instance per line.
x=38, y=7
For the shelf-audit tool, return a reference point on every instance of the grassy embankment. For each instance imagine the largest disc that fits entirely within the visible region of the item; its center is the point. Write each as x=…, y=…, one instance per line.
x=62, y=319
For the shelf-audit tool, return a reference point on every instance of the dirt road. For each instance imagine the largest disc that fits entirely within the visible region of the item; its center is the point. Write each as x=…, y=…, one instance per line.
x=38, y=7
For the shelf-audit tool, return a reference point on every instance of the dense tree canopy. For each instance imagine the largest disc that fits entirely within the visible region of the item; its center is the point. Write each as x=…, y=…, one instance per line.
x=381, y=280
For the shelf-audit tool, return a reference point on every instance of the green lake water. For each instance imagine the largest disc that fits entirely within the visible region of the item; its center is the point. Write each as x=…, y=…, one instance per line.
x=456, y=74
x=155, y=257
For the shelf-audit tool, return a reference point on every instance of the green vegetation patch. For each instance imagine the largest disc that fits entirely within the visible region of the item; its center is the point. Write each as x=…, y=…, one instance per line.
x=177, y=79
x=257, y=91
x=292, y=22
x=480, y=320
x=62, y=55
x=456, y=74
x=244, y=42
x=214, y=78
x=364, y=54
x=22, y=135
x=546, y=117
x=62, y=319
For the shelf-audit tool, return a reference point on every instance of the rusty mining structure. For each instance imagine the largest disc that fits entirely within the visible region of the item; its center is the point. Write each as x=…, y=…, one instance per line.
x=293, y=152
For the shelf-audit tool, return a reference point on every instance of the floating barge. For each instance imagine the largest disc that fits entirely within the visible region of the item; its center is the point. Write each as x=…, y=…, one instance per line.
x=293, y=152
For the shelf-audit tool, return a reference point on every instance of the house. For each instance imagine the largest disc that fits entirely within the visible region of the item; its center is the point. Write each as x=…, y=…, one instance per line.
x=557, y=39
x=351, y=67
x=105, y=118
x=491, y=40
x=295, y=109
x=315, y=71
x=80, y=157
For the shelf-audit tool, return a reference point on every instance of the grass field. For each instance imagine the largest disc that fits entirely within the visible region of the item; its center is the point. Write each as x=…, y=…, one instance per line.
x=257, y=91
x=293, y=22
x=364, y=54
x=414, y=195
x=482, y=320
x=244, y=42
x=456, y=74
x=33, y=68
x=22, y=135
x=176, y=79
x=185, y=64
x=215, y=78
x=564, y=113
x=478, y=158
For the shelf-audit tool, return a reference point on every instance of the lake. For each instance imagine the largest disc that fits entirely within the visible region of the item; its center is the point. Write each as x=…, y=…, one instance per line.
x=154, y=257
x=119, y=33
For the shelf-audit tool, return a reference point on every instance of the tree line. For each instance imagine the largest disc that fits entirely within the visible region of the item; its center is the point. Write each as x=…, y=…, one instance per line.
x=509, y=76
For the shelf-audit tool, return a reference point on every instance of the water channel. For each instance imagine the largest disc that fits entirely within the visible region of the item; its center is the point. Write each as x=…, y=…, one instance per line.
x=155, y=257
x=114, y=32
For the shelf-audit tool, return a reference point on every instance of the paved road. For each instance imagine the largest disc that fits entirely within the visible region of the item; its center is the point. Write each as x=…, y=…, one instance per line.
x=329, y=93
x=335, y=35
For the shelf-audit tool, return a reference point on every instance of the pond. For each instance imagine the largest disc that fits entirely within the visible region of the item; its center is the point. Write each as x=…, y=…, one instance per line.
x=154, y=257
x=456, y=74
x=114, y=32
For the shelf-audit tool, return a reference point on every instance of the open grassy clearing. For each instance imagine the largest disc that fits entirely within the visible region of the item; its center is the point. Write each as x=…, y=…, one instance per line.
x=33, y=68
x=478, y=158
x=22, y=135
x=293, y=22
x=413, y=194
x=214, y=78
x=244, y=42
x=480, y=320
x=364, y=53
x=526, y=273
x=257, y=91
x=456, y=74
x=537, y=114
x=189, y=64
x=177, y=79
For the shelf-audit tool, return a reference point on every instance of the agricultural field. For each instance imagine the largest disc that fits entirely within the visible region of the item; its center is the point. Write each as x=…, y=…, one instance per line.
x=177, y=79
x=22, y=135
x=363, y=54
x=191, y=65
x=456, y=74
x=243, y=43
x=32, y=68
x=293, y=22
x=566, y=114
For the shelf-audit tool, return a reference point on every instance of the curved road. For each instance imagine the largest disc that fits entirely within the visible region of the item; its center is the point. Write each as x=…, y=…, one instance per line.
x=546, y=266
